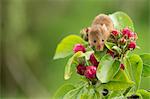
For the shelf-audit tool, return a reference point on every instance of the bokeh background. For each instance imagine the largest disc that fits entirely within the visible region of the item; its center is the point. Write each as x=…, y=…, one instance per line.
x=31, y=30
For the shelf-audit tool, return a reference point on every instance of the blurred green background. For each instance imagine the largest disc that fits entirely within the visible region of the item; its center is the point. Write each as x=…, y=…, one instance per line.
x=31, y=30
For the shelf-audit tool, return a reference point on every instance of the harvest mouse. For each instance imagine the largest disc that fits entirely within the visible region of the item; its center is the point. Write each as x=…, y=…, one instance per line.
x=100, y=31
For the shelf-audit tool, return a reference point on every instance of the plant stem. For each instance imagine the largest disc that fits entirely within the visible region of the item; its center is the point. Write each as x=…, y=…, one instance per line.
x=87, y=63
x=126, y=91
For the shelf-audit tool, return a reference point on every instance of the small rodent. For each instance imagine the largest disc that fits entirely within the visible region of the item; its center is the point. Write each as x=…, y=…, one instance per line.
x=99, y=31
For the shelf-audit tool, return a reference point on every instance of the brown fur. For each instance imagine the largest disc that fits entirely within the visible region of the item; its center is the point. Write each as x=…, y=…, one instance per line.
x=84, y=33
x=103, y=19
x=100, y=31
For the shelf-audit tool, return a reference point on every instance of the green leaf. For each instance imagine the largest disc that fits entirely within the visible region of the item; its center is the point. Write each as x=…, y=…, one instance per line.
x=107, y=68
x=146, y=70
x=76, y=93
x=71, y=61
x=116, y=95
x=83, y=94
x=117, y=49
x=122, y=76
x=63, y=90
x=135, y=65
x=146, y=64
x=65, y=47
x=116, y=85
x=88, y=93
x=128, y=67
x=121, y=20
x=100, y=54
x=119, y=82
x=97, y=95
x=145, y=94
x=87, y=54
x=72, y=94
x=109, y=45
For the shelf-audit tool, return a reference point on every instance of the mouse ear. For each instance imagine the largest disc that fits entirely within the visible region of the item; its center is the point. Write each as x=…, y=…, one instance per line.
x=104, y=27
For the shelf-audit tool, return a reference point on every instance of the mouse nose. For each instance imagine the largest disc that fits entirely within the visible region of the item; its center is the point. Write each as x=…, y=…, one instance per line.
x=99, y=46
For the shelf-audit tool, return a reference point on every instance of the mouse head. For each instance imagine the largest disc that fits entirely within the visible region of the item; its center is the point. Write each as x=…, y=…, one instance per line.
x=98, y=34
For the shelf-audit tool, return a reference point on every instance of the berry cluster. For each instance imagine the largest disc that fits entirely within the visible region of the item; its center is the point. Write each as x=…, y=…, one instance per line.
x=89, y=71
x=124, y=40
x=104, y=61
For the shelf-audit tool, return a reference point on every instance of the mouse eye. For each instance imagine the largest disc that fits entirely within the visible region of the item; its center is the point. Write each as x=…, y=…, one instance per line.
x=102, y=40
x=94, y=41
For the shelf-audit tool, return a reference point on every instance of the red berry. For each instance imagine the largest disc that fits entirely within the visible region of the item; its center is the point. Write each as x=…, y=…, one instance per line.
x=115, y=32
x=79, y=47
x=126, y=32
x=81, y=69
x=122, y=66
x=132, y=45
x=123, y=40
x=111, y=53
x=93, y=60
x=90, y=72
x=131, y=35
